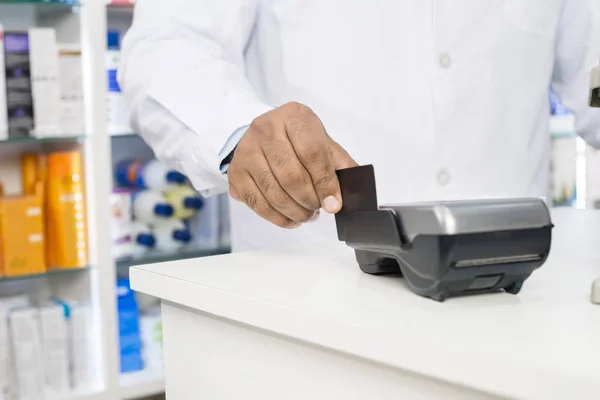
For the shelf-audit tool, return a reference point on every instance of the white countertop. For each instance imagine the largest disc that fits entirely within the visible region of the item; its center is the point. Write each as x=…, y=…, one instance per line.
x=541, y=344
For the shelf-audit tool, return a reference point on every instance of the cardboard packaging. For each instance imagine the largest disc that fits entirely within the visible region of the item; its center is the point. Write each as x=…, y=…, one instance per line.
x=22, y=244
x=78, y=325
x=130, y=341
x=117, y=122
x=45, y=84
x=121, y=228
x=55, y=340
x=33, y=89
x=3, y=105
x=28, y=353
x=72, y=111
x=8, y=379
x=17, y=72
x=151, y=333
x=65, y=202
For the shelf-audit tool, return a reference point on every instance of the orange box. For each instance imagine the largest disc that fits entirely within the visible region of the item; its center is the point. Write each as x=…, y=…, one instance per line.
x=22, y=244
x=66, y=211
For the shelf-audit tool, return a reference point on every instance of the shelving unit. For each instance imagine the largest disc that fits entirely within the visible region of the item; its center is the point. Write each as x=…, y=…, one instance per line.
x=31, y=140
x=85, y=24
x=48, y=274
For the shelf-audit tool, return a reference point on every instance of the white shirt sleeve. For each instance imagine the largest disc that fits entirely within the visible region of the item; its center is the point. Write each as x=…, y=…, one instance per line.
x=231, y=144
x=576, y=51
x=182, y=74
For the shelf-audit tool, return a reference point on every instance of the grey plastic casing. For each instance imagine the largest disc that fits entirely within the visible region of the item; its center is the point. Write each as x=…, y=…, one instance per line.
x=444, y=249
x=470, y=216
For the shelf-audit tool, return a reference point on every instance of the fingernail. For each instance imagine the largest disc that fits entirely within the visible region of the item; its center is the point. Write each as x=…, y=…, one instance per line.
x=296, y=225
x=315, y=216
x=331, y=204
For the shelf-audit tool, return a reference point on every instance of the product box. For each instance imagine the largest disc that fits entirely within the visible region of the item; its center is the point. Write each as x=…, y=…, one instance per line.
x=116, y=111
x=3, y=105
x=65, y=207
x=81, y=367
x=152, y=342
x=45, y=84
x=28, y=353
x=78, y=321
x=32, y=81
x=130, y=342
x=8, y=379
x=121, y=224
x=55, y=339
x=72, y=113
x=17, y=71
x=22, y=244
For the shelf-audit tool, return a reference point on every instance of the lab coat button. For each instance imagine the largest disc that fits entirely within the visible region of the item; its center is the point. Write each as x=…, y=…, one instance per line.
x=443, y=177
x=445, y=60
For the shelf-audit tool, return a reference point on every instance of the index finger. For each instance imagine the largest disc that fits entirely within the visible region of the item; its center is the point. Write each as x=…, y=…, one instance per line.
x=311, y=144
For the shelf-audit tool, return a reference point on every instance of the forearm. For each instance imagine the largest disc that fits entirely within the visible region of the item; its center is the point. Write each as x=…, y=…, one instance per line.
x=184, y=82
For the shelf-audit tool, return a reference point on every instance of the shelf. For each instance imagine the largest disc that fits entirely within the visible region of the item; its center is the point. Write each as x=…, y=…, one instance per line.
x=123, y=134
x=52, y=3
x=158, y=257
x=36, y=140
x=45, y=274
x=141, y=384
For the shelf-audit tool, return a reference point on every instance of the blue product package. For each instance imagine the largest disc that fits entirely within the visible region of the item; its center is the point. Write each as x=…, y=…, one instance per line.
x=113, y=43
x=130, y=342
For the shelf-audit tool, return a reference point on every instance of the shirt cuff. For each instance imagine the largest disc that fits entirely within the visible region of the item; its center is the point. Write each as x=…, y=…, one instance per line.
x=230, y=146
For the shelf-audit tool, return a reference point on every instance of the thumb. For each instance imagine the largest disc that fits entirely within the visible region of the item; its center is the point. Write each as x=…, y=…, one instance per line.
x=340, y=157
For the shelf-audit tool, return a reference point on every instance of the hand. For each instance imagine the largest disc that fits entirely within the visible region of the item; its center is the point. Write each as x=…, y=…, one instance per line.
x=284, y=167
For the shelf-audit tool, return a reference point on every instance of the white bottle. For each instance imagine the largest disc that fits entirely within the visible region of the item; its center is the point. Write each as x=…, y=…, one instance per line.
x=172, y=235
x=116, y=112
x=151, y=207
x=157, y=176
x=148, y=175
x=142, y=238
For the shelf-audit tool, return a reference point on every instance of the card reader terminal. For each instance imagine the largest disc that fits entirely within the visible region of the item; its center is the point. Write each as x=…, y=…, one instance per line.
x=444, y=249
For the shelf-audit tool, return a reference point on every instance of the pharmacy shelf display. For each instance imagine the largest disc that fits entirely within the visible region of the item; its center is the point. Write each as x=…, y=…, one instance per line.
x=53, y=133
x=66, y=154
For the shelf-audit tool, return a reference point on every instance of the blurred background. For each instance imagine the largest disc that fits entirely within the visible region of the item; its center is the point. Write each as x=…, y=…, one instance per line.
x=82, y=199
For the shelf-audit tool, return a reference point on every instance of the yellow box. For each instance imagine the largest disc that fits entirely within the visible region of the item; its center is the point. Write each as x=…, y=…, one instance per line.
x=22, y=244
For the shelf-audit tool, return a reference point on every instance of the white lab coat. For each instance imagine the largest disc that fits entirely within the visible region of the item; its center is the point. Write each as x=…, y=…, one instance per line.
x=448, y=99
